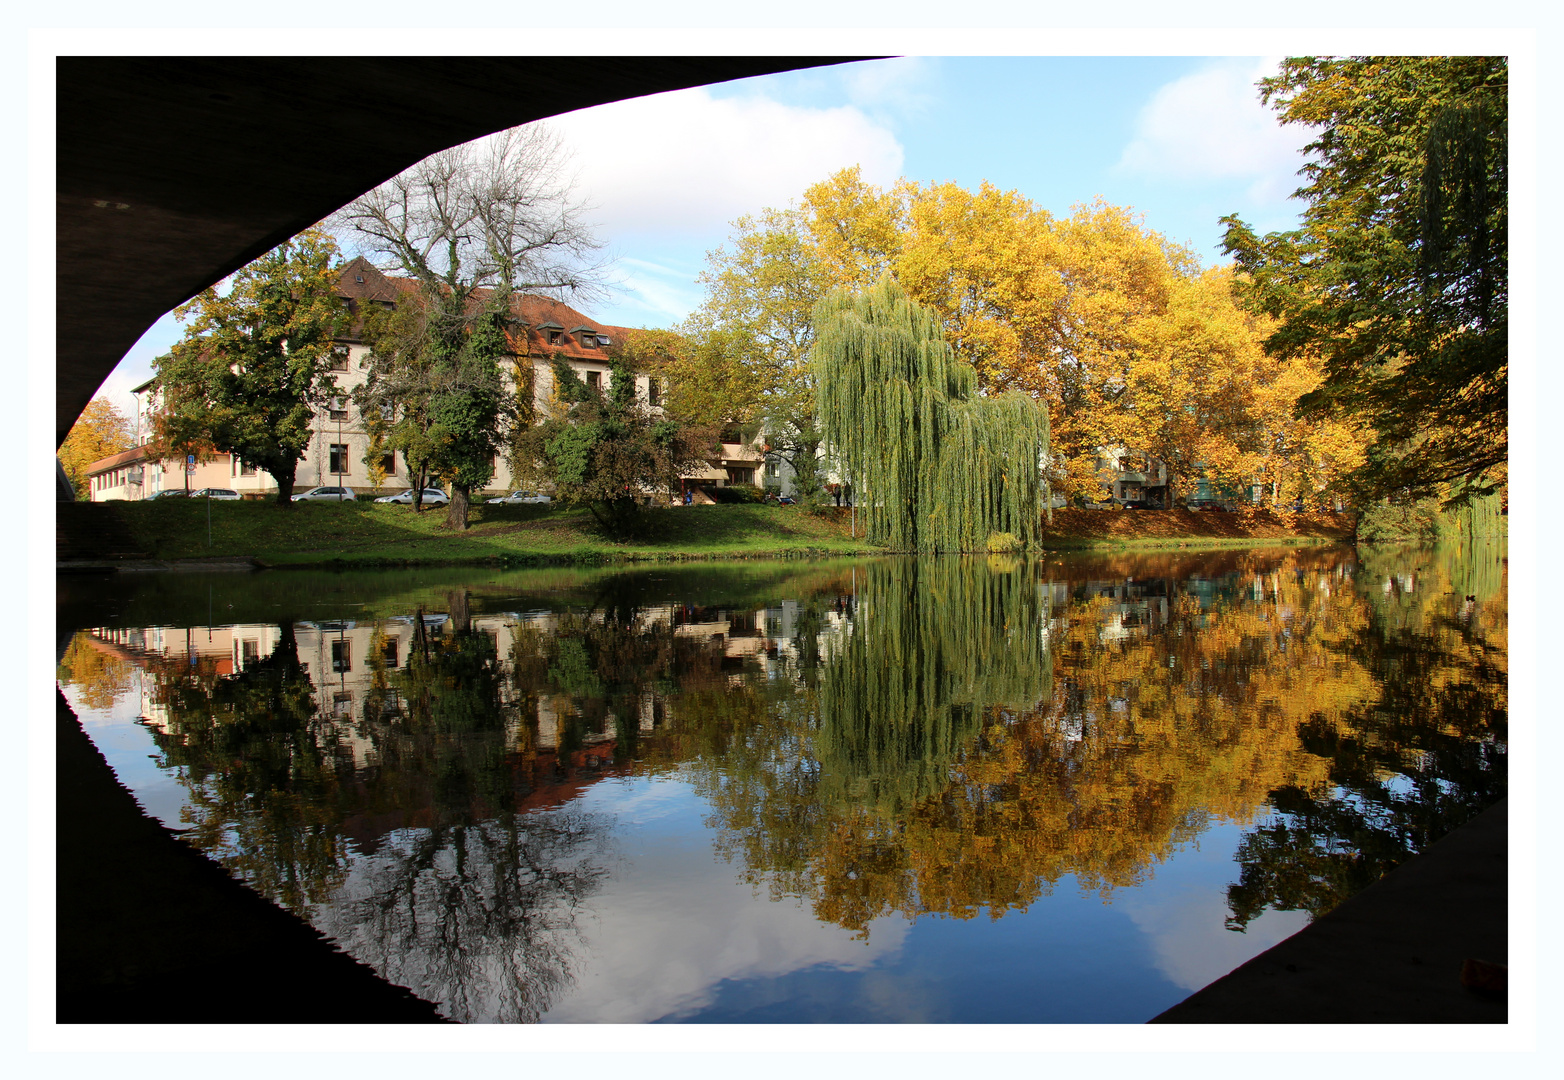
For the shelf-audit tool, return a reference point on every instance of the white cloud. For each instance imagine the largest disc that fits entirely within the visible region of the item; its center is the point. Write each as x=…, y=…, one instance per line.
x=1210, y=125
x=677, y=923
x=685, y=163
x=899, y=84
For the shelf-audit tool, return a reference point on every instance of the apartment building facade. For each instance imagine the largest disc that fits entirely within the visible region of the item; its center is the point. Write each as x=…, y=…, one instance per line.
x=337, y=453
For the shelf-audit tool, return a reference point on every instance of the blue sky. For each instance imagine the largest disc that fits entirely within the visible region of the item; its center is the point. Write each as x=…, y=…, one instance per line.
x=1181, y=140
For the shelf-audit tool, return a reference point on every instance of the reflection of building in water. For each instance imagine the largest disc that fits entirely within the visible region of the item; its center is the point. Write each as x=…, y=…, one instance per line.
x=348, y=663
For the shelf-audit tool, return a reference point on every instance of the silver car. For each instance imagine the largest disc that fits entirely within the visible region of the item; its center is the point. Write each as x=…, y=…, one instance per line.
x=226, y=494
x=432, y=497
x=517, y=498
x=327, y=494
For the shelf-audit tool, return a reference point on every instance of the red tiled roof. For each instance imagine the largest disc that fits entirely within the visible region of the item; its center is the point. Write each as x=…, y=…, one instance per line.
x=531, y=309
x=114, y=461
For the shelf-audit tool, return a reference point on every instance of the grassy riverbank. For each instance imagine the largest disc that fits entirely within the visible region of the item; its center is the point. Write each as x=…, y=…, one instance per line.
x=369, y=534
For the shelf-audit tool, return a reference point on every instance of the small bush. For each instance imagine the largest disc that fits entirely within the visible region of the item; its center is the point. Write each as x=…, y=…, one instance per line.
x=737, y=493
x=1004, y=543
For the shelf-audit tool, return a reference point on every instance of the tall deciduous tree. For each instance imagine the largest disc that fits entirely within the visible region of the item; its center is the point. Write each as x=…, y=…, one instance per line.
x=1398, y=277
x=99, y=431
x=254, y=364
x=940, y=468
x=472, y=225
x=761, y=291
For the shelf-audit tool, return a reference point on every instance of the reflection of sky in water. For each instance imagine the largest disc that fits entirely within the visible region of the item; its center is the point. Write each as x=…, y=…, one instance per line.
x=675, y=921
x=674, y=935
x=131, y=753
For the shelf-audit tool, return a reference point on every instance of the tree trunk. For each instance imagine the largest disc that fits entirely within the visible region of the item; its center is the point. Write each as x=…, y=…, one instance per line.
x=420, y=480
x=461, y=614
x=457, y=518
x=284, y=485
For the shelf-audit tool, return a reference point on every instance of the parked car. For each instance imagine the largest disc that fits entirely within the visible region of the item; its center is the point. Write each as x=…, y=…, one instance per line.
x=432, y=497
x=327, y=494
x=226, y=494
x=1138, y=504
x=1204, y=504
x=517, y=498
x=170, y=493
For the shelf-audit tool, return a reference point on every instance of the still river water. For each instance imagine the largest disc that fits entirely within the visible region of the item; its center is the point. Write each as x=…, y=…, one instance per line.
x=926, y=790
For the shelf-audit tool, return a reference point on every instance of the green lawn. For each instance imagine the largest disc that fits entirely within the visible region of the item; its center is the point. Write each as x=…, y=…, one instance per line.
x=366, y=533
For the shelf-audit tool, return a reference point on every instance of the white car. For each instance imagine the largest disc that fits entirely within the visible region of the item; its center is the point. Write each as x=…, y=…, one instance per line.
x=432, y=497
x=327, y=494
x=226, y=494
x=517, y=498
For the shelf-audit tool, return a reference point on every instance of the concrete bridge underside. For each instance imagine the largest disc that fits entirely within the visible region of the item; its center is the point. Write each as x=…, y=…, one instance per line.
x=175, y=171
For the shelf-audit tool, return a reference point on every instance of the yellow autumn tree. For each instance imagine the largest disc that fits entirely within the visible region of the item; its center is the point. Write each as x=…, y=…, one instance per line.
x=100, y=430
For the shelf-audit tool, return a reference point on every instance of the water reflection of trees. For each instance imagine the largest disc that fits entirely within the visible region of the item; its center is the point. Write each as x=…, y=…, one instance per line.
x=940, y=736
x=1174, y=700
x=1418, y=757
x=453, y=893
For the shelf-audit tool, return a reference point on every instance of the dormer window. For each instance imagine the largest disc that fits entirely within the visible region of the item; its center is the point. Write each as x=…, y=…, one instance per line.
x=602, y=341
x=587, y=341
x=553, y=337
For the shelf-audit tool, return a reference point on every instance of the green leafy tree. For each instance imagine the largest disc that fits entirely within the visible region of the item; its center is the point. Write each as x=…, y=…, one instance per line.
x=611, y=452
x=254, y=365
x=472, y=225
x=1399, y=275
x=761, y=291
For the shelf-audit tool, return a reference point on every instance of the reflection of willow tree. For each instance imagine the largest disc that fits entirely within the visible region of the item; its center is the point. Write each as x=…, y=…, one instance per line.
x=815, y=801
x=262, y=787
x=1173, y=702
x=1409, y=763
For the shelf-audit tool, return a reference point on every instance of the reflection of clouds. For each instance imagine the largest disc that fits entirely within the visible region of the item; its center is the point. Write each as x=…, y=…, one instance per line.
x=676, y=922
x=1183, y=915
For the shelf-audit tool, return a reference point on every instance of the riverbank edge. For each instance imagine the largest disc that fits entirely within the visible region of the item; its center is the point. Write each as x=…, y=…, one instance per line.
x=250, y=563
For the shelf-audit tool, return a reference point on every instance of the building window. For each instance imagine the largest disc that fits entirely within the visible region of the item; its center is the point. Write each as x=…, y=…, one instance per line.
x=771, y=467
x=388, y=652
x=339, y=358
x=339, y=457
x=342, y=656
x=595, y=381
x=388, y=464
x=553, y=337
x=653, y=394
x=337, y=408
x=588, y=341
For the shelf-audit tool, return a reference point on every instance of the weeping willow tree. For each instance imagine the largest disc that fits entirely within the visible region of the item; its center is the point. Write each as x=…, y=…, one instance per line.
x=935, y=466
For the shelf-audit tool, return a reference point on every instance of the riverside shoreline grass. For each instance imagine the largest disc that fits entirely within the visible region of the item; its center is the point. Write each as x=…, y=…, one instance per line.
x=367, y=534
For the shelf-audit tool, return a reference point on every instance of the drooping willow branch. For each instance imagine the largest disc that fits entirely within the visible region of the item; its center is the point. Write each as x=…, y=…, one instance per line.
x=935, y=465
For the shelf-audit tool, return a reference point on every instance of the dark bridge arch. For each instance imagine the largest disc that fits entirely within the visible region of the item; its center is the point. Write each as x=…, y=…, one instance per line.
x=175, y=171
